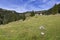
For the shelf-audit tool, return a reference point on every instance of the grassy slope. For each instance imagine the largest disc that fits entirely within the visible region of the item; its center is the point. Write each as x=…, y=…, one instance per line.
x=29, y=29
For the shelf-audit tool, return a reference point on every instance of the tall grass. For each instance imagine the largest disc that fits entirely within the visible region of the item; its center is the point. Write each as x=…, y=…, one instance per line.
x=29, y=29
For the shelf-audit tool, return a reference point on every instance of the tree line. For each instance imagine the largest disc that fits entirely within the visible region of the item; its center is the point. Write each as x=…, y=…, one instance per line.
x=7, y=16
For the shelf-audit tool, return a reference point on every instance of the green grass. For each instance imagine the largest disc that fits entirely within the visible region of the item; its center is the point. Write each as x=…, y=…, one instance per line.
x=29, y=29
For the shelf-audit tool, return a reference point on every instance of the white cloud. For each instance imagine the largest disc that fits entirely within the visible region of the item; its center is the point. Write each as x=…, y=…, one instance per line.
x=48, y=5
x=57, y=2
x=23, y=8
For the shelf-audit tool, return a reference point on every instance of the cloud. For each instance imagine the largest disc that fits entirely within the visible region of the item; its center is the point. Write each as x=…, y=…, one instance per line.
x=57, y=2
x=27, y=5
x=47, y=5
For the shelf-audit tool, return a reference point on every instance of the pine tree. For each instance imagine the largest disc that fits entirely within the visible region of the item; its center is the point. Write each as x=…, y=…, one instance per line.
x=32, y=14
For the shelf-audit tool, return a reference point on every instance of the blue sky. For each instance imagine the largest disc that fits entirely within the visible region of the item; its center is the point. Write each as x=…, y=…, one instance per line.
x=27, y=5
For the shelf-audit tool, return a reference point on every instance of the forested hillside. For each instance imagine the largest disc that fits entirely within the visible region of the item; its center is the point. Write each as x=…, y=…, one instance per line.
x=7, y=16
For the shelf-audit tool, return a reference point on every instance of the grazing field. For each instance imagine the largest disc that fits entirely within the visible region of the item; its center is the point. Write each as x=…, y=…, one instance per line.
x=29, y=29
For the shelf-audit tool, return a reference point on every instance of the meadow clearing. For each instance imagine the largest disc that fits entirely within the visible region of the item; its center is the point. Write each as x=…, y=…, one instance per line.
x=29, y=29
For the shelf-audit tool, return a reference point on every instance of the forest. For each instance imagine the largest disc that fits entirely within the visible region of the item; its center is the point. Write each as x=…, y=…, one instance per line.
x=7, y=16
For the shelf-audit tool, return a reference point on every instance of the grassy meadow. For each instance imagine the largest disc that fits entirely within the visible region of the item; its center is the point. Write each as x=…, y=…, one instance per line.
x=29, y=29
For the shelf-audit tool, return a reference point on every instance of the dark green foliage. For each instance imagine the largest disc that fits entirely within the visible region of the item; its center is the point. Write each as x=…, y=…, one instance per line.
x=32, y=14
x=7, y=16
x=23, y=16
x=55, y=9
x=58, y=8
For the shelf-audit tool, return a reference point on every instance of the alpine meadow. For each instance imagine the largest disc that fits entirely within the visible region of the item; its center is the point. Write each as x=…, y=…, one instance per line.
x=29, y=19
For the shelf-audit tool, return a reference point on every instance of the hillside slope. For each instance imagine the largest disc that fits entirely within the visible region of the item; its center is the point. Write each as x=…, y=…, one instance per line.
x=29, y=29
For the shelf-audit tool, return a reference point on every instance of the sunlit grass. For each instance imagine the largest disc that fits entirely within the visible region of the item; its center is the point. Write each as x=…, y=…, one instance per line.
x=29, y=29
